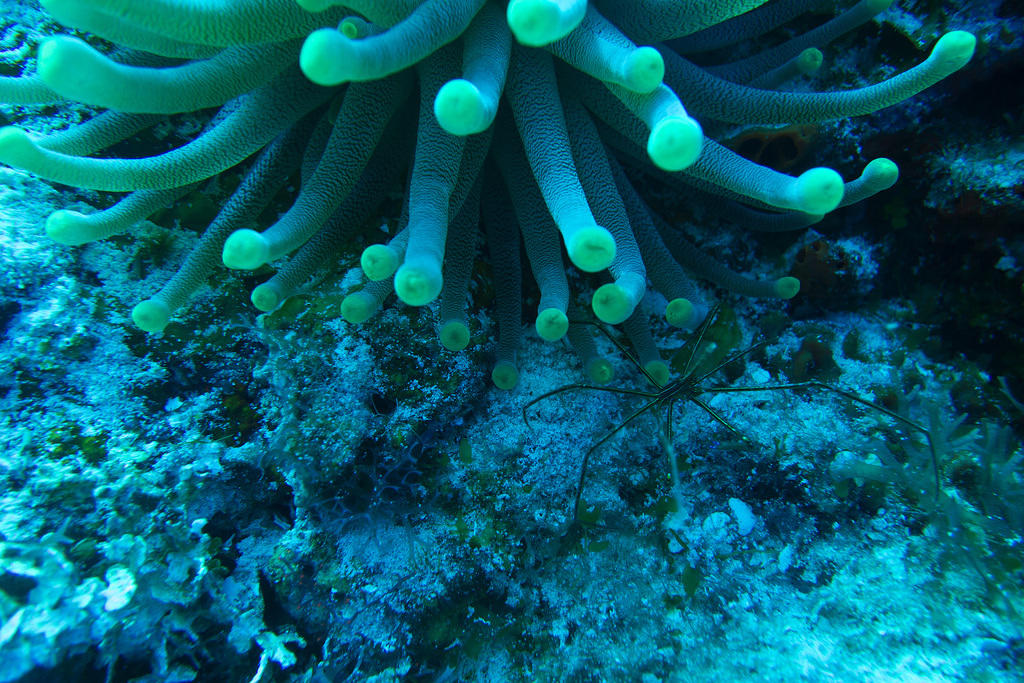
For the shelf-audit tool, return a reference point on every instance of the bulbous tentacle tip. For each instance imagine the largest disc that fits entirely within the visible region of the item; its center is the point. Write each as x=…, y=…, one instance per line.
x=454, y=335
x=659, y=372
x=954, y=49
x=882, y=172
x=505, y=375
x=611, y=304
x=326, y=57
x=460, y=109
x=378, y=261
x=266, y=297
x=15, y=146
x=681, y=313
x=357, y=307
x=818, y=190
x=349, y=29
x=552, y=324
x=645, y=70
x=809, y=61
x=591, y=249
x=787, y=287
x=55, y=55
x=600, y=371
x=151, y=315
x=67, y=227
x=675, y=143
x=245, y=250
x=534, y=23
x=417, y=285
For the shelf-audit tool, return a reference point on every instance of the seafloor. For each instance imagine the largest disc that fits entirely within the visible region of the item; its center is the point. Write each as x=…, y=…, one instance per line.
x=288, y=497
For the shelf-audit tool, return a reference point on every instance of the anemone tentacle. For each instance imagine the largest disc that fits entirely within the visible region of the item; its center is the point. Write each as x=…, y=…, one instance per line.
x=536, y=123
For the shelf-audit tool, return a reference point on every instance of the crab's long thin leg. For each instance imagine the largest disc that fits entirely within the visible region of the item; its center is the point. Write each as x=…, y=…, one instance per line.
x=574, y=387
x=718, y=418
x=586, y=458
x=856, y=399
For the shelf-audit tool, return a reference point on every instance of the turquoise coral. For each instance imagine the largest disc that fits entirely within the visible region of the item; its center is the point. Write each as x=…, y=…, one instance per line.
x=525, y=109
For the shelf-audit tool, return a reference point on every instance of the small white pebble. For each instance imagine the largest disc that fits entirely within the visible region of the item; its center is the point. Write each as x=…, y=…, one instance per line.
x=745, y=518
x=786, y=558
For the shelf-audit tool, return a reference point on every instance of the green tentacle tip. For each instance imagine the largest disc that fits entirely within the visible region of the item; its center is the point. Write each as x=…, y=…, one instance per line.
x=16, y=147
x=591, y=249
x=357, y=307
x=600, y=371
x=67, y=227
x=460, y=109
x=379, y=262
x=882, y=173
x=786, y=287
x=675, y=142
x=417, y=285
x=610, y=304
x=659, y=370
x=552, y=324
x=245, y=250
x=266, y=297
x=681, y=313
x=505, y=375
x=349, y=28
x=48, y=50
x=536, y=23
x=954, y=49
x=58, y=55
x=809, y=61
x=818, y=190
x=326, y=57
x=645, y=69
x=876, y=6
x=151, y=315
x=454, y=335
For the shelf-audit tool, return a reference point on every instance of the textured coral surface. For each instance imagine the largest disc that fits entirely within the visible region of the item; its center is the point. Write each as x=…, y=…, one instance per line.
x=329, y=486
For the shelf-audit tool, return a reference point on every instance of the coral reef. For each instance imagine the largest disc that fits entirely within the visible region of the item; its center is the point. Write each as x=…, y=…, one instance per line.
x=290, y=495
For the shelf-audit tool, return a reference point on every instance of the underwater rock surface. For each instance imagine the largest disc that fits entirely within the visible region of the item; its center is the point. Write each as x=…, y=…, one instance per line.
x=292, y=495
